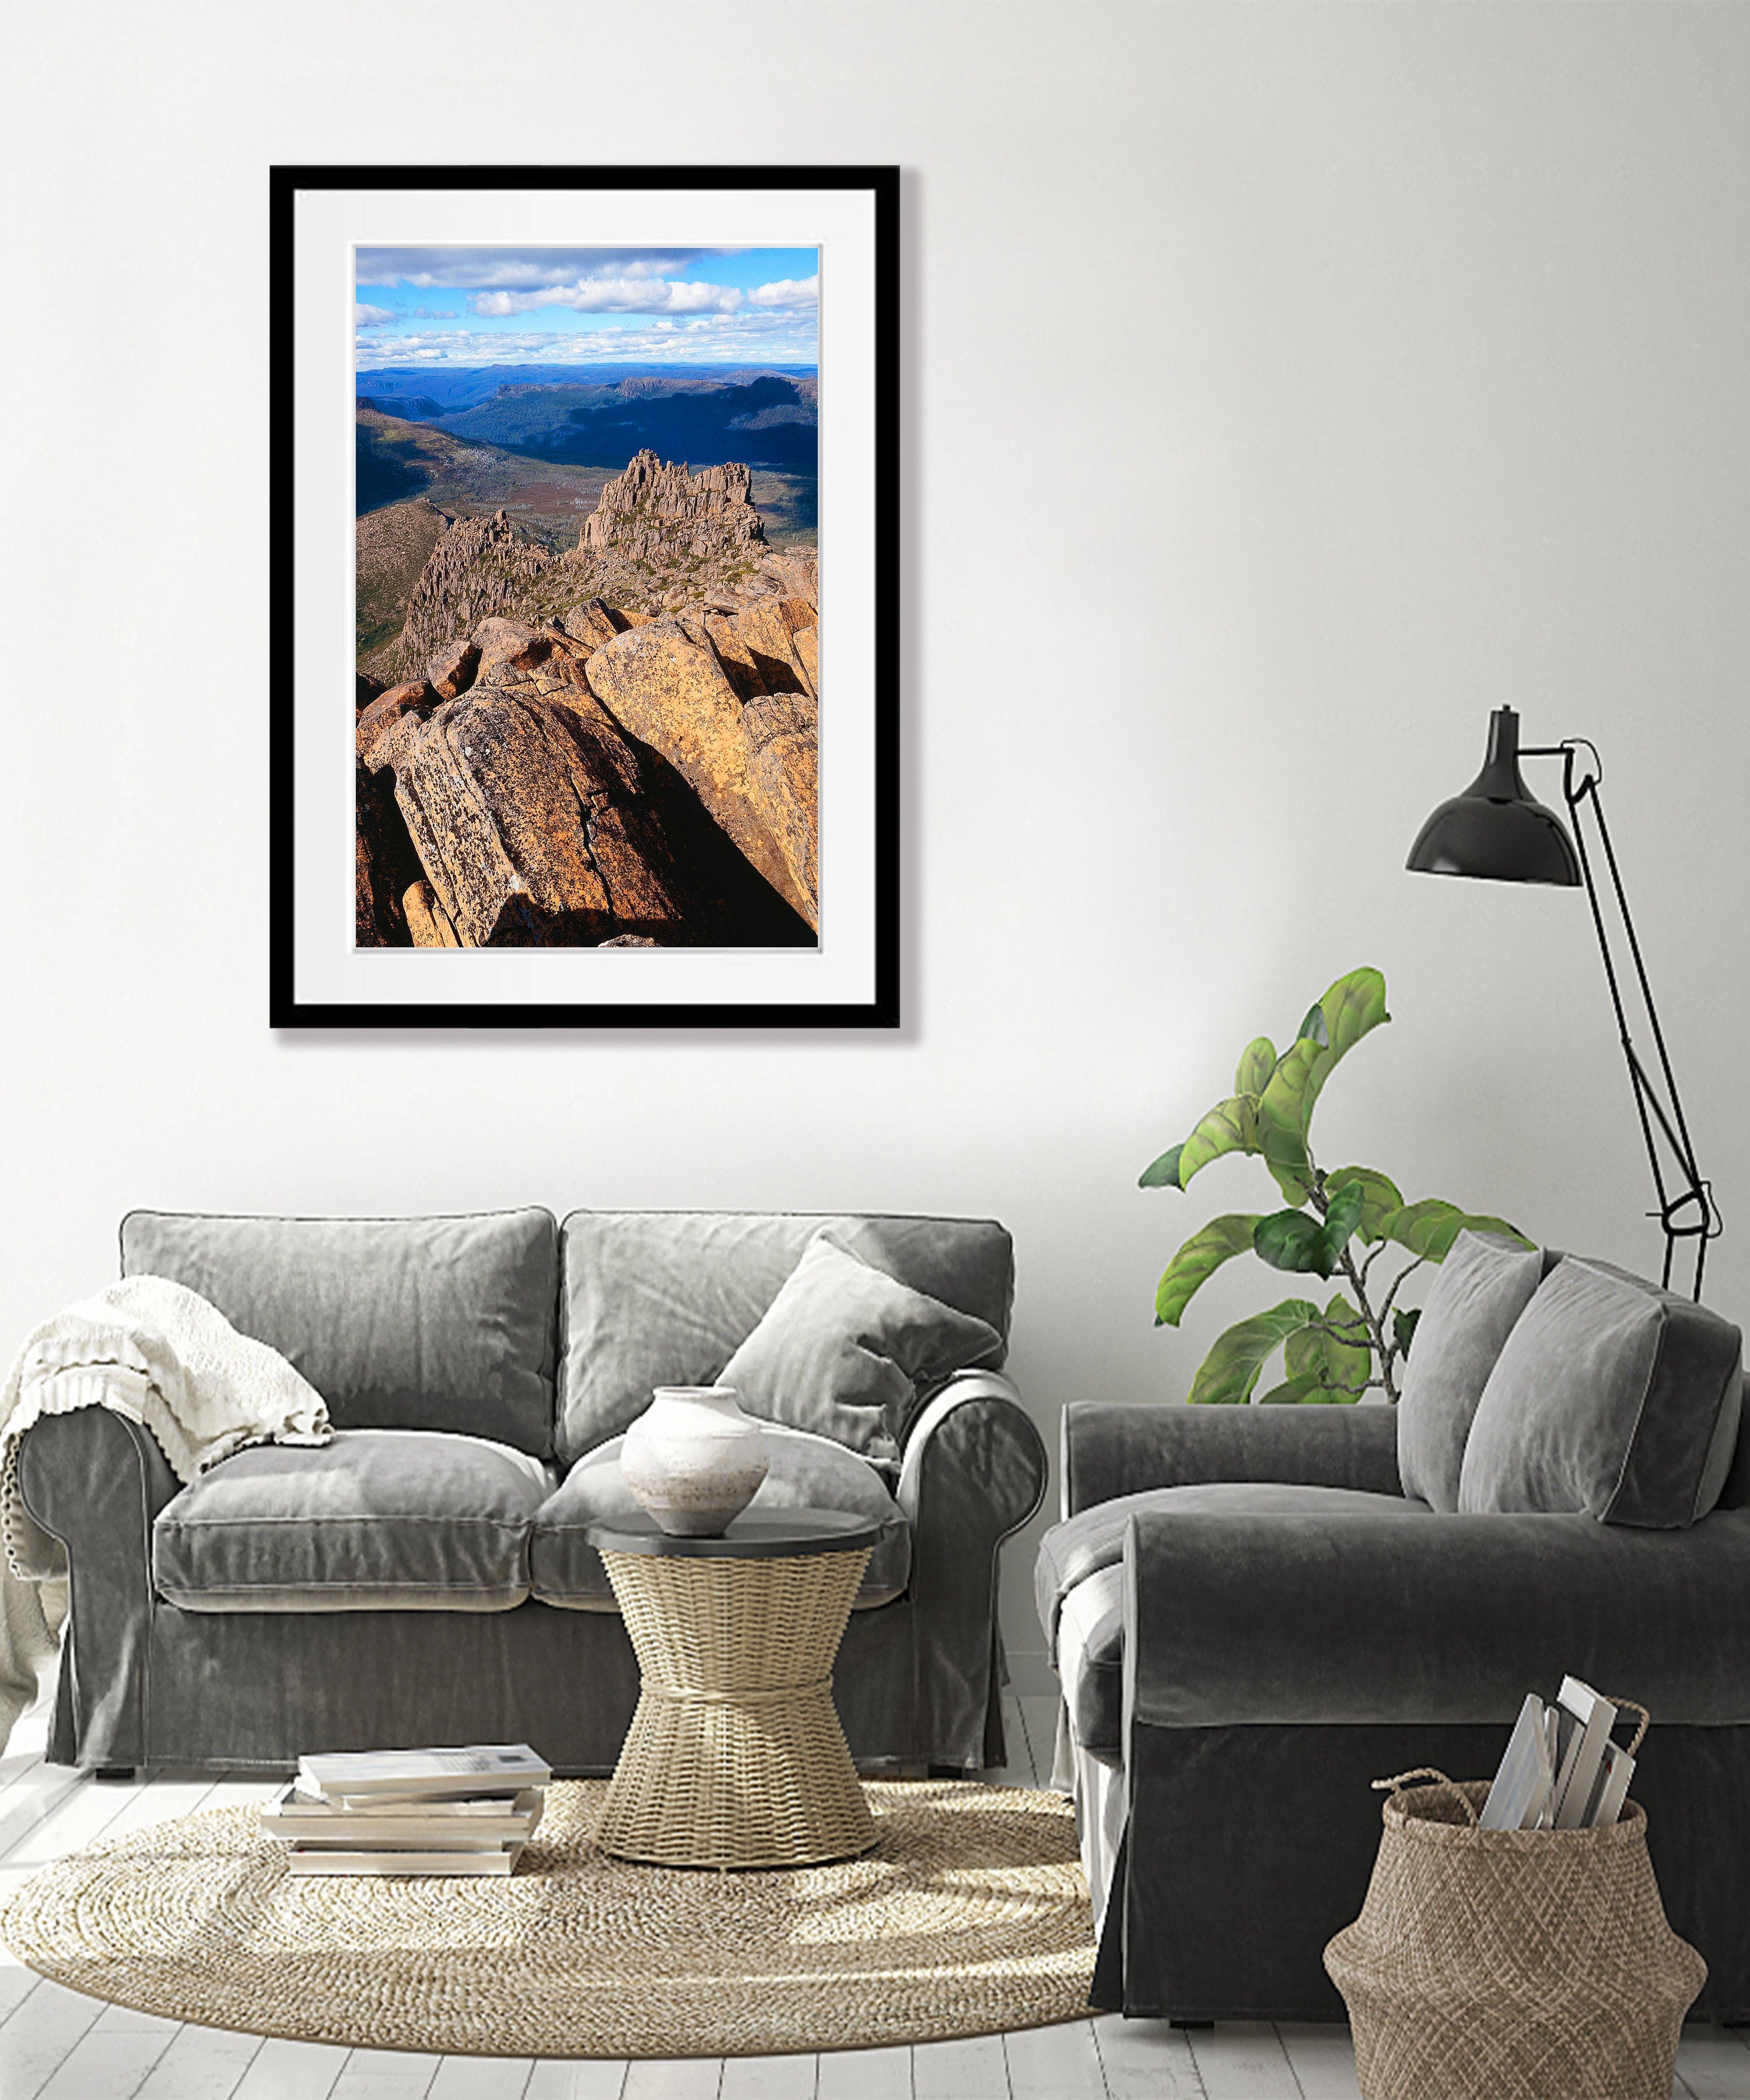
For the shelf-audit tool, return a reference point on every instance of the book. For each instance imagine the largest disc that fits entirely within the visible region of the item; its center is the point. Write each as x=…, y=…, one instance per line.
x=1520, y=1798
x=1613, y=1785
x=1588, y=1719
x=472, y=1769
x=323, y=1859
x=472, y=1824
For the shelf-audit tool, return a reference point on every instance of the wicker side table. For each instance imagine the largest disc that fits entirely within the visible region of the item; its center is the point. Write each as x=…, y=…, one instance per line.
x=735, y=1756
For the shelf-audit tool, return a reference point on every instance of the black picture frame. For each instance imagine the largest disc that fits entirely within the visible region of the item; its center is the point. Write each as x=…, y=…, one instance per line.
x=859, y=987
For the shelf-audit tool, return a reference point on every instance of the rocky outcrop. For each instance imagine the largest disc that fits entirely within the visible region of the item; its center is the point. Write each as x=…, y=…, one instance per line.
x=529, y=817
x=480, y=566
x=567, y=763
x=538, y=823
x=657, y=511
x=669, y=689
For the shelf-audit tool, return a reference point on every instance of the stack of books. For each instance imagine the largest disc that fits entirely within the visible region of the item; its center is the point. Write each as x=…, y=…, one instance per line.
x=1561, y=1770
x=446, y=1811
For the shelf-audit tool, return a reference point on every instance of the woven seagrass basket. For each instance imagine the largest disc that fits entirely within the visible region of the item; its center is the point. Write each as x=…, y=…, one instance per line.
x=1511, y=1964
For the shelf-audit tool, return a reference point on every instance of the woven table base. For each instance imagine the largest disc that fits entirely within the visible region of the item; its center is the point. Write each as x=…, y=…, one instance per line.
x=735, y=1756
x=968, y=1916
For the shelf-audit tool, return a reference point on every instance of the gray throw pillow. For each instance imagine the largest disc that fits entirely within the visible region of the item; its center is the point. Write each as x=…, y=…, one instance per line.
x=842, y=1349
x=1484, y=1284
x=1611, y=1397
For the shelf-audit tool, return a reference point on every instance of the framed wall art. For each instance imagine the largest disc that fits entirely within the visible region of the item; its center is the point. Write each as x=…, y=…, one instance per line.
x=584, y=520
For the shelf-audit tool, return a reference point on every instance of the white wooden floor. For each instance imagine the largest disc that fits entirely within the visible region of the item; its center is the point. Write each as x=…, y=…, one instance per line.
x=55, y=2044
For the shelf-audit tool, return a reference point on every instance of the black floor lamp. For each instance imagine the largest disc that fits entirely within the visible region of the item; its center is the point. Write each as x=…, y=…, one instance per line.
x=1498, y=830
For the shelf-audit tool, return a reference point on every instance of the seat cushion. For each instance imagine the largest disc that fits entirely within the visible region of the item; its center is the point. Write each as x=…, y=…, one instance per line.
x=398, y=1323
x=843, y=1351
x=653, y=1298
x=1481, y=1289
x=1611, y=1397
x=1070, y=1552
x=806, y=1473
x=380, y=1519
x=1091, y=1663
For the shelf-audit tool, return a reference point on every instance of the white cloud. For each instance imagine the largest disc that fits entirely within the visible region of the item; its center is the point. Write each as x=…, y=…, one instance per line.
x=614, y=295
x=742, y=338
x=370, y=316
x=789, y=292
x=512, y=269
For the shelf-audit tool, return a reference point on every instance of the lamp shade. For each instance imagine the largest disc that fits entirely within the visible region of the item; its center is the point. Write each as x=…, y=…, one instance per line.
x=1497, y=830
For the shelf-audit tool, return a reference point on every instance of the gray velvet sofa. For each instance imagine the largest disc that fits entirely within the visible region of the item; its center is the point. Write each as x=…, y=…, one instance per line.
x=425, y=1578
x=1253, y=1620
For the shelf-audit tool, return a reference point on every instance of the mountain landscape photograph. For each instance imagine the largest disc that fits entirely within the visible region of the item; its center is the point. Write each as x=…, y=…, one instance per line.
x=586, y=604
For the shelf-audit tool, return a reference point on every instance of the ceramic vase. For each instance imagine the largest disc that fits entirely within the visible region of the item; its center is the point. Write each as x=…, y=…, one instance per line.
x=694, y=1460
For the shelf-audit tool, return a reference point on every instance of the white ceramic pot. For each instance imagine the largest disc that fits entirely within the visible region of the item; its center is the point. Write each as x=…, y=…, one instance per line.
x=694, y=1460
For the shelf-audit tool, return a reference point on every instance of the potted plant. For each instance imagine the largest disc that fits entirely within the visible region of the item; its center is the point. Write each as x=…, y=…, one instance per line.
x=1336, y=1224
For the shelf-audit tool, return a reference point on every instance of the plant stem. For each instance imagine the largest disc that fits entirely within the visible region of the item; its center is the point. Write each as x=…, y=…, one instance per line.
x=1376, y=1329
x=1384, y=1353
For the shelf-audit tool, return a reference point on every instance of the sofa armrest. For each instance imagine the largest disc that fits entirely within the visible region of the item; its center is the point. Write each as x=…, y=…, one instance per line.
x=1289, y=1620
x=1111, y=1448
x=95, y=1479
x=974, y=1471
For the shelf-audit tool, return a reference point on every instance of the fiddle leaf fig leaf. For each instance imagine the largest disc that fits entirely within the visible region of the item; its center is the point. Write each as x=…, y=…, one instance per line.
x=1404, y=1328
x=1258, y=1061
x=1231, y=1126
x=1335, y=1355
x=1228, y=1373
x=1291, y=1240
x=1291, y=1392
x=1161, y=1173
x=1379, y=1197
x=1429, y=1228
x=1341, y=1218
x=1353, y=1008
x=1197, y=1260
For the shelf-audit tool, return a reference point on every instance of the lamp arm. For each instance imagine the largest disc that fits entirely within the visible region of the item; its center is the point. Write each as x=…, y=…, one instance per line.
x=1691, y=1213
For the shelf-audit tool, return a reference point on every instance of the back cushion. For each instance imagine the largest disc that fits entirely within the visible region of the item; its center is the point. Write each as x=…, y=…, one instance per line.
x=653, y=1298
x=1483, y=1285
x=1611, y=1397
x=398, y=1323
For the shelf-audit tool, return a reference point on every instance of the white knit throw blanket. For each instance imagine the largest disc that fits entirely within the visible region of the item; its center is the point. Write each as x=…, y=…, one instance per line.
x=157, y=1353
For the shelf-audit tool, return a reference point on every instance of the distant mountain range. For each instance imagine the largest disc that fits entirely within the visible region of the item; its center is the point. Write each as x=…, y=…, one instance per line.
x=766, y=417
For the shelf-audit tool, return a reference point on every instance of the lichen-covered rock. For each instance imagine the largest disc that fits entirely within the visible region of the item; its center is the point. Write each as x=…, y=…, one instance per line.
x=795, y=573
x=427, y=920
x=668, y=689
x=540, y=824
x=375, y=726
x=593, y=623
x=366, y=689
x=383, y=864
x=508, y=644
x=806, y=643
x=453, y=670
x=756, y=646
x=784, y=770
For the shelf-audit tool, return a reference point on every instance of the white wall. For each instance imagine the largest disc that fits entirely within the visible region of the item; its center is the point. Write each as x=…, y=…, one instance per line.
x=1285, y=387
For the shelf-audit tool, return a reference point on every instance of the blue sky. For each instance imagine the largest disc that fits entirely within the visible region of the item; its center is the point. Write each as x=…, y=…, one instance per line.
x=584, y=306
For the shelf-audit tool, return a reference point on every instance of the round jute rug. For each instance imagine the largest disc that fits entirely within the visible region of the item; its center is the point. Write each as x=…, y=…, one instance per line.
x=970, y=1915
